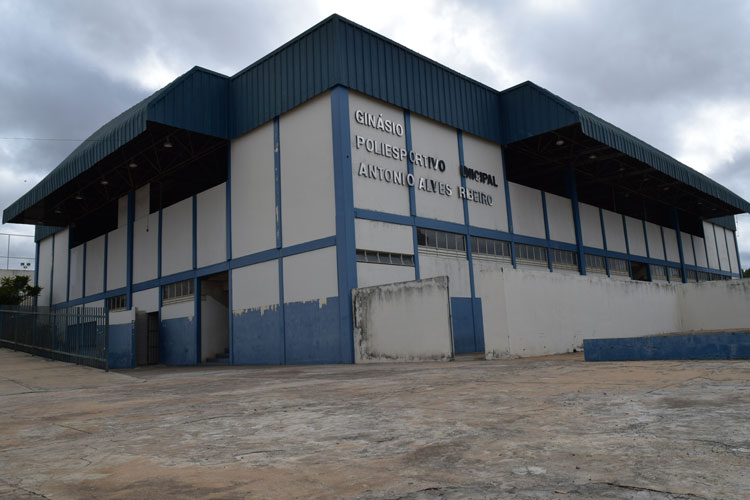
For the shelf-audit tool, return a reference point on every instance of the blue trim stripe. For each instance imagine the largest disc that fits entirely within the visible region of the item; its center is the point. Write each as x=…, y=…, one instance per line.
x=546, y=229
x=195, y=231
x=680, y=249
x=604, y=240
x=412, y=193
x=159, y=244
x=67, y=284
x=277, y=179
x=345, y=243
x=36, y=270
x=508, y=209
x=129, y=250
x=570, y=181
x=83, y=272
x=231, y=317
x=197, y=310
x=279, y=229
x=228, y=199
x=52, y=272
x=664, y=249
x=106, y=252
x=737, y=249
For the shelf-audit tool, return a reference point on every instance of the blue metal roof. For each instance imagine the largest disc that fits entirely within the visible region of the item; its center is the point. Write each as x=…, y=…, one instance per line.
x=340, y=52
x=527, y=110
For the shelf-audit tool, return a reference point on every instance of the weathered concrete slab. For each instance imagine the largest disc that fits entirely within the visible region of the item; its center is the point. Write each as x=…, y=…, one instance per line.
x=407, y=321
x=696, y=345
x=552, y=427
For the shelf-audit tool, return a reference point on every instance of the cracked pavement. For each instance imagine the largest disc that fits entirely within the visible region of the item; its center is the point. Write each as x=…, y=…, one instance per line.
x=549, y=427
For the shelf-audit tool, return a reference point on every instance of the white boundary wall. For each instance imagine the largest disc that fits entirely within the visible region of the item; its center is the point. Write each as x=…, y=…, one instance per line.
x=407, y=321
x=532, y=313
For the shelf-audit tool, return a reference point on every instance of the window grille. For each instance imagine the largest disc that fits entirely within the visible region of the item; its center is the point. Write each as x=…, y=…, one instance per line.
x=117, y=303
x=563, y=259
x=595, y=263
x=441, y=241
x=658, y=273
x=619, y=267
x=178, y=292
x=394, y=259
x=484, y=247
x=531, y=254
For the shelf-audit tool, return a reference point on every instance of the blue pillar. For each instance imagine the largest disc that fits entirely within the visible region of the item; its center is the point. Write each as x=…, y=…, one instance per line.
x=195, y=232
x=664, y=249
x=412, y=194
x=508, y=210
x=36, y=270
x=676, y=223
x=648, y=252
x=67, y=286
x=736, y=249
x=83, y=274
x=546, y=231
x=279, y=234
x=345, y=244
x=604, y=240
x=570, y=181
x=129, y=262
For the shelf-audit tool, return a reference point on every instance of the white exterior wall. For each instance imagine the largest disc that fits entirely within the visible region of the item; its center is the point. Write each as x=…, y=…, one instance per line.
x=430, y=138
x=214, y=328
x=177, y=237
x=655, y=243
x=255, y=286
x=185, y=309
x=45, y=269
x=456, y=268
x=253, y=192
x=212, y=225
x=95, y=266
x=117, y=242
x=560, y=217
x=687, y=249
x=721, y=244
x=60, y=267
x=490, y=287
x=591, y=226
x=710, y=241
x=122, y=211
x=381, y=274
x=147, y=300
x=614, y=231
x=142, y=201
x=382, y=236
x=145, y=248
x=76, y=272
x=376, y=194
x=670, y=241
x=307, y=187
x=526, y=208
x=576, y=307
x=311, y=275
x=700, y=251
x=733, y=260
x=636, y=238
x=386, y=328
x=486, y=157
x=715, y=305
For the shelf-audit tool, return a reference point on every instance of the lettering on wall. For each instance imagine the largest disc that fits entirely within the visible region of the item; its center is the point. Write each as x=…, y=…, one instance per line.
x=380, y=148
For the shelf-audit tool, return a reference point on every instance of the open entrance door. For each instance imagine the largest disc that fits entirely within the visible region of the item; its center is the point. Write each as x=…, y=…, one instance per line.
x=146, y=338
x=214, y=314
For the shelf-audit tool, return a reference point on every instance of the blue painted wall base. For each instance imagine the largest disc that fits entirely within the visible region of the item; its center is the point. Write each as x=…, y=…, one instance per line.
x=725, y=345
x=256, y=339
x=312, y=331
x=121, y=351
x=178, y=341
x=468, y=337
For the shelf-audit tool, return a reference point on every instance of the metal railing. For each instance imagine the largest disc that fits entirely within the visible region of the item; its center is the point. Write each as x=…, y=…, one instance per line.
x=73, y=334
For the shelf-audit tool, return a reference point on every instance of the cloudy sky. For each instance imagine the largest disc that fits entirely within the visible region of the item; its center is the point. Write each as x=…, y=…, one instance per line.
x=675, y=73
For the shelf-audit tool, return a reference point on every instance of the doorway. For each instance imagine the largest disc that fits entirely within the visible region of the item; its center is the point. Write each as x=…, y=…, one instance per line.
x=146, y=338
x=214, y=322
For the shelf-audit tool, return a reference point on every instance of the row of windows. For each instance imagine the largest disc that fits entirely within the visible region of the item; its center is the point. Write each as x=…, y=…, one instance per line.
x=117, y=303
x=431, y=238
x=484, y=246
x=177, y=292
x=537, y=255
x=394, y=259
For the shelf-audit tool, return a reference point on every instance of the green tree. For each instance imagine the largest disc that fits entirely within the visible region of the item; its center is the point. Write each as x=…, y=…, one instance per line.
x=15, y=289
x=746, y=273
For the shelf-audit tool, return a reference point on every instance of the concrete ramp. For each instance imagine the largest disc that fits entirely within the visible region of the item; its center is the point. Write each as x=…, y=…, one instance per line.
x=684, y=345
x=408, y=321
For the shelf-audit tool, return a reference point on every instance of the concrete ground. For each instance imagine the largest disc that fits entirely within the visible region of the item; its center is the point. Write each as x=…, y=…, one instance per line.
x=553, y=427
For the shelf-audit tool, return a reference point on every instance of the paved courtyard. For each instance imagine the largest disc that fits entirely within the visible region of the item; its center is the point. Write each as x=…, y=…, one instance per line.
x=552, y=427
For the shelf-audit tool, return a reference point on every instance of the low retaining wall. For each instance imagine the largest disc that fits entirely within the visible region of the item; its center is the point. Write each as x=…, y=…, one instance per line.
x=720, y=345
x=407, y=321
